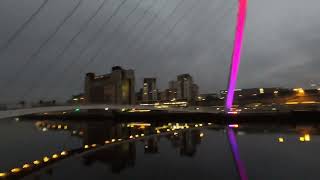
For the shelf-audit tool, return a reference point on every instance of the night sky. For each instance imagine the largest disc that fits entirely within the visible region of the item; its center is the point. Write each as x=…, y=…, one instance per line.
x=281, y=48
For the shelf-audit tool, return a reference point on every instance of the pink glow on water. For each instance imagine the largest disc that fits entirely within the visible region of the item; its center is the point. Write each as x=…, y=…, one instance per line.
x=236, y=155
x=236, y=56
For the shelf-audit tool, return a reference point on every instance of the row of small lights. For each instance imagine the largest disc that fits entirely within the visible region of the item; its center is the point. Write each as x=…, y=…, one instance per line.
x=44, y=127
x=47, y=159
x=34, y=164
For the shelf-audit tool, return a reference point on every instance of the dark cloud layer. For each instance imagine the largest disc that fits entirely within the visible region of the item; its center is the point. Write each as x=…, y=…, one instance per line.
x=281, y=44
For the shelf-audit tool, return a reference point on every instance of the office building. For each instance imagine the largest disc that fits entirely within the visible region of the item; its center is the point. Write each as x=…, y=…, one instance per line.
x=116, y=87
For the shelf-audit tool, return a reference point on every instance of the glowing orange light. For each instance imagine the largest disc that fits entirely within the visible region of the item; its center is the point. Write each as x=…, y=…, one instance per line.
x=15, y=170
x=36, y=162
x=25, y=166
x=46, y=159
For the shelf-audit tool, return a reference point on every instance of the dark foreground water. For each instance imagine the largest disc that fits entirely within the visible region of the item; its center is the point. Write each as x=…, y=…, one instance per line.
x=266, y=151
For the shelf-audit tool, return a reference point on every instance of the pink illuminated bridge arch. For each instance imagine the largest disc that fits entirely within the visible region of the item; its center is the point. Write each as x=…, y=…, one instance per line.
x=236, y=55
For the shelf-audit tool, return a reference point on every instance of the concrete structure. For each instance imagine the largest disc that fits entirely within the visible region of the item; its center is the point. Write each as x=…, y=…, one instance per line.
x=114, y=88
x=149, y=91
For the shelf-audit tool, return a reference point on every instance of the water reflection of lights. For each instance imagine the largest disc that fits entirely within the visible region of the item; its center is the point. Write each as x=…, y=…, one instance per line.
x=36, y=162
x=15, y=170
x=201, y=134
x=3, y=174
x=139, y=125
x=47, y=160
x=55, y=156
x=233, y=125
x=25, y=166
x=305, y=138
x=236, y=155
x=46, y=126
x=281, y=139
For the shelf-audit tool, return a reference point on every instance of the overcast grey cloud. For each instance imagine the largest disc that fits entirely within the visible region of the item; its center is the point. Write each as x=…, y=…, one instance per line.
x=281, y=43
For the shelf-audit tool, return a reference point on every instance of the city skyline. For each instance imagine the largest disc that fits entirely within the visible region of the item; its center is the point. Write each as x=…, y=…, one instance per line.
x=275, y=48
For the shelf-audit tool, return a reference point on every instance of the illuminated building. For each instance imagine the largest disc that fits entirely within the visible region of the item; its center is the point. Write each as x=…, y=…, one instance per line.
x=149, y=91
x=114, y=88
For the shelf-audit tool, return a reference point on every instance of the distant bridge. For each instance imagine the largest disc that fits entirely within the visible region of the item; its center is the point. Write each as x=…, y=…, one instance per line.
x=28, y=111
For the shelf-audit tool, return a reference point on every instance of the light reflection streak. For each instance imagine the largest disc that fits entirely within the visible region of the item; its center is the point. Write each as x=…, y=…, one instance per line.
x=235, y=153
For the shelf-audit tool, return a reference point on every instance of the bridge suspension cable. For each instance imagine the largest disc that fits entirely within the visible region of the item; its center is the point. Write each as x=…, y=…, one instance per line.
x=69, y=44
x=179, y=20
x=171, y=29
x=70, y=81
x=179, y=4
x=106, y=40
x=91, y=40
x=22, y=27
x=130, y=44
x=95, y=36
x=133, y=27
x=35, y=54
x=146, y=30
x=216, y=21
